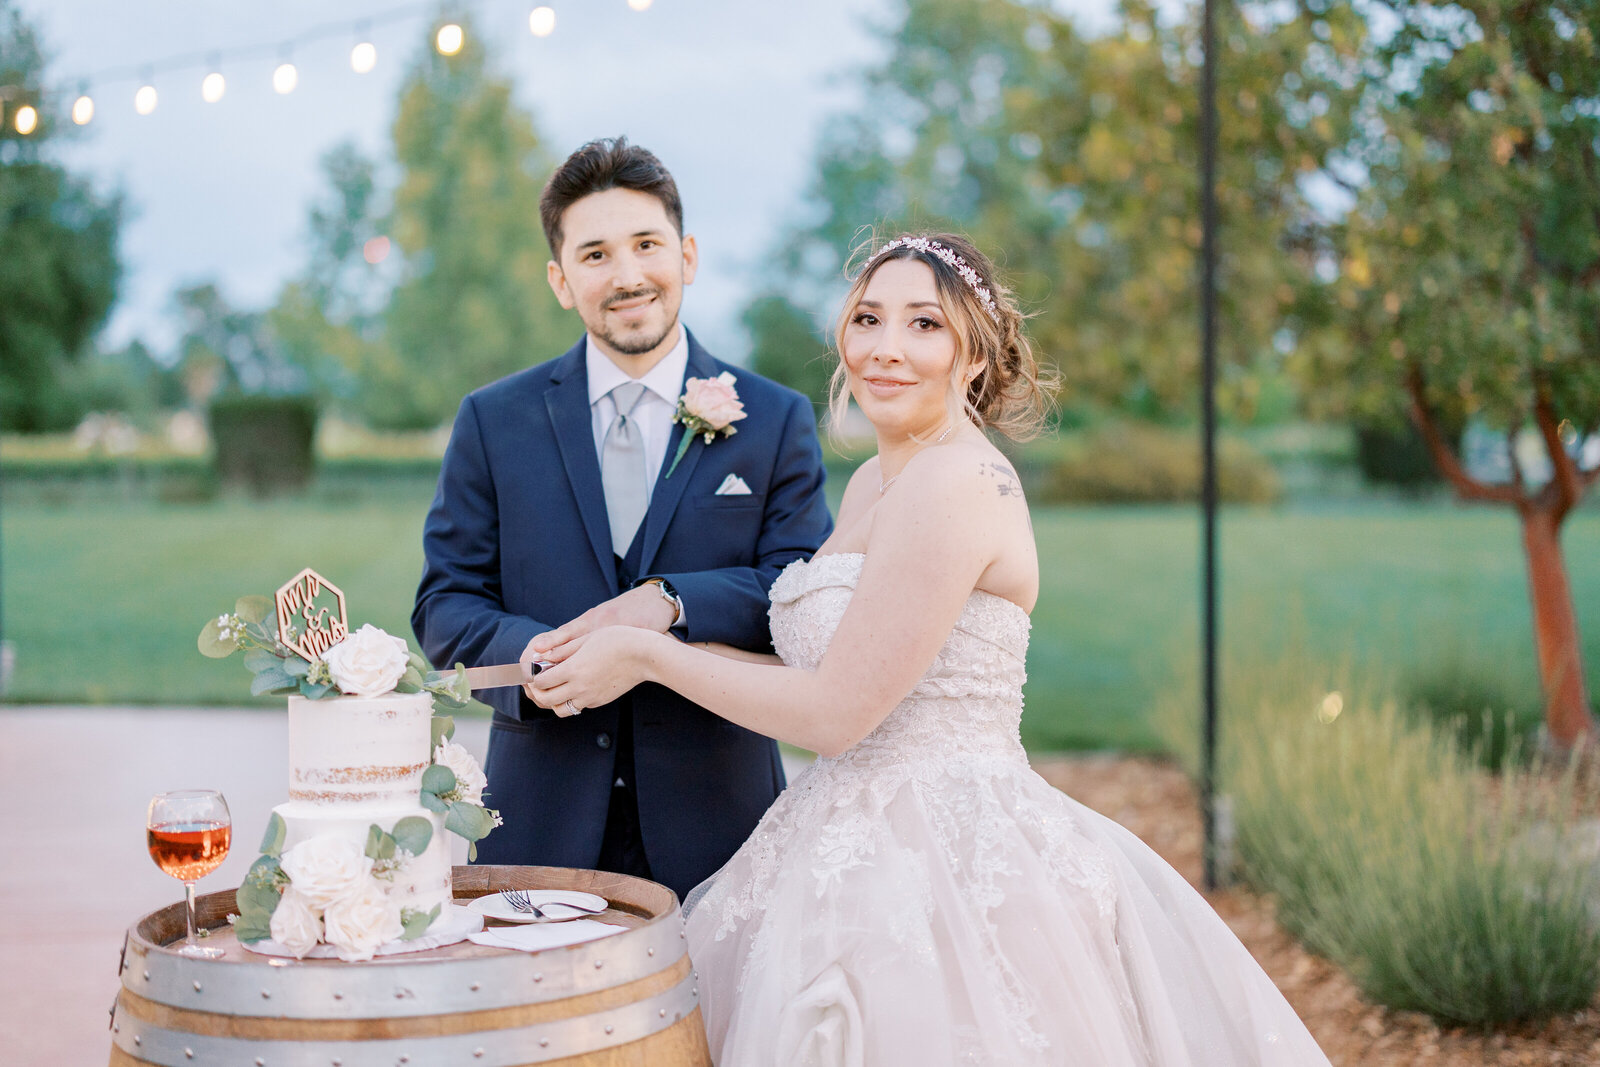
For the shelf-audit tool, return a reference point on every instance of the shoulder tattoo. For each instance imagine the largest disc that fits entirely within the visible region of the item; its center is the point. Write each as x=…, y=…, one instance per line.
x=1004, y=477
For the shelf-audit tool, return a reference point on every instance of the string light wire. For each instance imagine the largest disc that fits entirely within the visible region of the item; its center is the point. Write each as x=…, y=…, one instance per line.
x=363, y=57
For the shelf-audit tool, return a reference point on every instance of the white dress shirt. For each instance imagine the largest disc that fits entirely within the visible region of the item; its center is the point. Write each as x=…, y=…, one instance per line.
x=652, y=414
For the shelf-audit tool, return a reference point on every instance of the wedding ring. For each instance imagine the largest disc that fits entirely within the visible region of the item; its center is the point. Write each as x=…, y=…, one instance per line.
x=572, y=709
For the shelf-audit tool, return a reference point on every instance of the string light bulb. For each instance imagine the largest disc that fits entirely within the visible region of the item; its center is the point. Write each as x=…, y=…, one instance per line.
x=285, y=78
x=363, y=57
x=83, y=110
x=26, y=119
x=542, y=21
x=449, y=39
x=144, y=101
x=212, y=88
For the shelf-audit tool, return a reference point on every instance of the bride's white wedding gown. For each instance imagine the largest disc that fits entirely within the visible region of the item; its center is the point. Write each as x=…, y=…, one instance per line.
x=927, y=899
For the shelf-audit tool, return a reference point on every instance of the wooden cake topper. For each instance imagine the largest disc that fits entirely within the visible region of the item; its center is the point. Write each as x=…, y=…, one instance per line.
x=311, y=611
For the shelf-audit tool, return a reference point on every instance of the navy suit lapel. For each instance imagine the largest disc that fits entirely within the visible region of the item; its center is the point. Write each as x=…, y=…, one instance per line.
x=567, y=401
x=669, y=491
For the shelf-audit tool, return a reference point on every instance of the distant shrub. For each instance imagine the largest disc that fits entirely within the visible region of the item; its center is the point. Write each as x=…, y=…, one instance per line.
x=1389, y=851
x=1394, y=454
x=1139, y=463
x=264, y=443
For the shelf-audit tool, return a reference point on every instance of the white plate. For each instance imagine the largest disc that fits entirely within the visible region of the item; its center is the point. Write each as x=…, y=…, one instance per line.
x=549, y=901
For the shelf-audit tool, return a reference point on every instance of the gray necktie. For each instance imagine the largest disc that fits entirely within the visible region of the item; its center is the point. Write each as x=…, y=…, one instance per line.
x=622, y=469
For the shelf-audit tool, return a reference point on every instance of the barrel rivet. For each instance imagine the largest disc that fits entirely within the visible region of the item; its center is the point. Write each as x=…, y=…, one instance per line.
x=265, y=995
x=599, y=964
x=538, y=976
x=337, y=1062
x=477, y=1053
x=405, y=1059
x=188, y=1053
x=695, y=975
x=197, y=987
x=137, y=1040
x=116, y=1028
x=338, y=996
x=260, y=1062
x=147, y=976
x=544, y=1042
x=609, y=1028
x=649, y=952
x=662, y=1012
x=476, y=986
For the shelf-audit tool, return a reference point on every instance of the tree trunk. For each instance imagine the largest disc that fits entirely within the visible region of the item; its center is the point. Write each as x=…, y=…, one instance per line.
x=1555, y=627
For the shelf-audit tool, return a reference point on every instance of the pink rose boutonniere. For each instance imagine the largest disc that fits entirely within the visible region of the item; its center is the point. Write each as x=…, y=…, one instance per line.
x=708, y=406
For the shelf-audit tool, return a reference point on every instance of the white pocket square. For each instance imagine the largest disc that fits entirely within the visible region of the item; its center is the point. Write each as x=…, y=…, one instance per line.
x=733, y=485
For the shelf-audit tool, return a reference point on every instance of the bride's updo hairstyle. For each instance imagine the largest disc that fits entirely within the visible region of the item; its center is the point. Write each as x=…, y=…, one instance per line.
x=1011, y=392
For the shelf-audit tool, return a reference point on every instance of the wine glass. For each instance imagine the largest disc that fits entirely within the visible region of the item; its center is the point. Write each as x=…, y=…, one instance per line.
x=188, y=831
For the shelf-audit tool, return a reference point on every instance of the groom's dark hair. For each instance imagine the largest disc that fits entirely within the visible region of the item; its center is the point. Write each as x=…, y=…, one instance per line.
x=607, y=163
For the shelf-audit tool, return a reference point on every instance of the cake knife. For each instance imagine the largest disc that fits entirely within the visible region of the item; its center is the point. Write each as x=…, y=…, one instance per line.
x=503, y=674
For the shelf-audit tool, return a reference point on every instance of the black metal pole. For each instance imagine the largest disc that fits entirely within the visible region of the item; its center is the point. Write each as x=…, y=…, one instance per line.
x=1208, y=438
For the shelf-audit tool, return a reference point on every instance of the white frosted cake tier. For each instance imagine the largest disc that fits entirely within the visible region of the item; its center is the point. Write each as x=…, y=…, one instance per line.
x=423, y=882
x=359, y=750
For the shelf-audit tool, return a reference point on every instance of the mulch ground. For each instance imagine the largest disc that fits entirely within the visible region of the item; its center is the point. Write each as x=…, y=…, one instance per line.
x=1155, y=800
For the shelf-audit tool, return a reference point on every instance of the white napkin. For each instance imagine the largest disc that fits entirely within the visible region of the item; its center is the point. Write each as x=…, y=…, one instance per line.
x=537, y=936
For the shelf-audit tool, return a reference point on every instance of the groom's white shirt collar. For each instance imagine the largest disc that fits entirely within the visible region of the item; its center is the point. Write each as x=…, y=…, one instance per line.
x=664, y=380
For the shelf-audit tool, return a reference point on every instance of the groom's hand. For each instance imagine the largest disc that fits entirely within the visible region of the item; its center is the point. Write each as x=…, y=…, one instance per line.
x=643, y=607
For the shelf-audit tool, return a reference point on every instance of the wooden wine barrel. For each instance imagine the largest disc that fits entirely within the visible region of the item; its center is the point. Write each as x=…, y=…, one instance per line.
x=624, y=1000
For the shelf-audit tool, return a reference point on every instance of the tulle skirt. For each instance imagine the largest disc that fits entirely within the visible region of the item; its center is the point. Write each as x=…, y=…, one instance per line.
x=969, y=913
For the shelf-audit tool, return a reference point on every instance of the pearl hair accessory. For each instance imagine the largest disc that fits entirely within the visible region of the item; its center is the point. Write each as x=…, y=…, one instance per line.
x=957, y=264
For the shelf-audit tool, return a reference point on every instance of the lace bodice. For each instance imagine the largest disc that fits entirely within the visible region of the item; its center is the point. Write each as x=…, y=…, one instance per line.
x=968, y=704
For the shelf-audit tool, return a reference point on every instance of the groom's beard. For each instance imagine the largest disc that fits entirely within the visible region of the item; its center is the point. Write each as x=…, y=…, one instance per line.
x=636, y=344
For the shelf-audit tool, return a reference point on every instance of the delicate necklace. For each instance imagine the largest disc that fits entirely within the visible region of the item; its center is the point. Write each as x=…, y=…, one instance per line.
x=883, y=486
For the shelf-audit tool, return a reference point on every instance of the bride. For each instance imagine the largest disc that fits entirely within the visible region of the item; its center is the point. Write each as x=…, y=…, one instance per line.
x=919, y=895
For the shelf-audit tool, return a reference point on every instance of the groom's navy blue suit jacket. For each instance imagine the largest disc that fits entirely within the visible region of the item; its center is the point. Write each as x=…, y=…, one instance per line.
x=517, y=542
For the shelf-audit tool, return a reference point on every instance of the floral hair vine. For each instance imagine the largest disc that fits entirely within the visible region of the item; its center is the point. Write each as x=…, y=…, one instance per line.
x=957, y=264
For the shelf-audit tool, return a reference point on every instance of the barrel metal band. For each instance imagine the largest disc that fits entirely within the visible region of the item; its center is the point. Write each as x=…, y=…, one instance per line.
x=489, y=1048
x=394, y=986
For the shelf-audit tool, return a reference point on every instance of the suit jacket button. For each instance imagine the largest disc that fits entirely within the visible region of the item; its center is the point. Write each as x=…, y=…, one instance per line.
x=603, y=739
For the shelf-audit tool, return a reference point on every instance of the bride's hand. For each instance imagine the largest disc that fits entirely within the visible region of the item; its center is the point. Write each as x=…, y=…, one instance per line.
x=598, y=668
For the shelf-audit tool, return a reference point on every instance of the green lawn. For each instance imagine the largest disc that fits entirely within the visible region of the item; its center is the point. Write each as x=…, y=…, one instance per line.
x=103, y=601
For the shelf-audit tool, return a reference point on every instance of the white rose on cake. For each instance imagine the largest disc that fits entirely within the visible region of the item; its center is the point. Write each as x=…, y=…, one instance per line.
x=367, y=663
x=470, y=780
x=323, y=869
x=295, y=923
x=355, y=925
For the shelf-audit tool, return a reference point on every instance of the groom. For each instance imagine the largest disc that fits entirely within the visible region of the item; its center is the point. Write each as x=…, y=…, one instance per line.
x=558, y=506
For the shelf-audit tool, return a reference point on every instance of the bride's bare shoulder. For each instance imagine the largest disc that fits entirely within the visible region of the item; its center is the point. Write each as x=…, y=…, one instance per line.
x=970, y=471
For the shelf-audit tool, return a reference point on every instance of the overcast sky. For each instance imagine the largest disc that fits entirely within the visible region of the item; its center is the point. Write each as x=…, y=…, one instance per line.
x=731, y=94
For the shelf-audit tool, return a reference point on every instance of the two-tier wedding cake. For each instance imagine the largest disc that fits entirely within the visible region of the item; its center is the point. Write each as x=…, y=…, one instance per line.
x=357, y=858
x=356, y=763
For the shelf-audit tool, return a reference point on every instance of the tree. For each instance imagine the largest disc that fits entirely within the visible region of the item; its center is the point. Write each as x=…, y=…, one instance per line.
x=472, y=303
x=1468, y=277
x=1072, y=160
x=58, y=250
x=226, y=348
x=786, y=346
x=329, y=321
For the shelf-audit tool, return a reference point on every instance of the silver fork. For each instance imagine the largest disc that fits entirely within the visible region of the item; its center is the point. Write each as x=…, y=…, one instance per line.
x=518, y=899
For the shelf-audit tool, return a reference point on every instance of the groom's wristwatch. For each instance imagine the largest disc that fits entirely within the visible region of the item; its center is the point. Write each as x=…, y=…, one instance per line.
x=669, y=594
